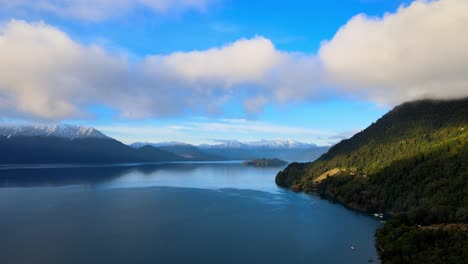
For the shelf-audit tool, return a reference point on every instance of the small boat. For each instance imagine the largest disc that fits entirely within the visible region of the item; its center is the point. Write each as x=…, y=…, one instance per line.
x=353, y=248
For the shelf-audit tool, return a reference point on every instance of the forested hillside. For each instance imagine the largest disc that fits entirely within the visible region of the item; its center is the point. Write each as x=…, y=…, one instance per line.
x=412, y=164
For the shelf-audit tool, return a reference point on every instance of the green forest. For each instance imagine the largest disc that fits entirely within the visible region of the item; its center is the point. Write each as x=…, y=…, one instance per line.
x=411, y=165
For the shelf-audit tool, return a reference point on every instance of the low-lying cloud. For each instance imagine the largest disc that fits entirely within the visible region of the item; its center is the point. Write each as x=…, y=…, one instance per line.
x=417, y=52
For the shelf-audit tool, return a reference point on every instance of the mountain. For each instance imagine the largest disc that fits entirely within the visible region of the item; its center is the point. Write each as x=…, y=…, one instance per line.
x=160, y=144
x=412, y=165
x=289, y=150
x=262, y=144
x=184, y=150
x=49, y=130
x=57, y=143
x=62, y=143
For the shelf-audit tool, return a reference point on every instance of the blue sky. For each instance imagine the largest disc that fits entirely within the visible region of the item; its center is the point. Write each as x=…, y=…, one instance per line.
x=295, y=25
x=165, y=70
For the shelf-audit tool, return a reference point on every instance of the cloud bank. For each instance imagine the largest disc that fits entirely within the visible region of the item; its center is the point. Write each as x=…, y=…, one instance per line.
x=46, y=74
x=417, y=52
x=96, y=10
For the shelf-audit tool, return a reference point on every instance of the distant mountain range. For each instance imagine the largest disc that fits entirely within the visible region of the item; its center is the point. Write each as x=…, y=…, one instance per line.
x=61, y=143
x=235, y=144
x=20, y=144
x=184, y=150
x=262, y=144
x=289, y=150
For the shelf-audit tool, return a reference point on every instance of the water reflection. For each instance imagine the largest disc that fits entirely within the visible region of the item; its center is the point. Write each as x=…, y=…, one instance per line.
x=194, y=175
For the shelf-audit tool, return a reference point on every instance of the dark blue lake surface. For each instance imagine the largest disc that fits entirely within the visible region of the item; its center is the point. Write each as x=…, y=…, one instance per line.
x=171, y=213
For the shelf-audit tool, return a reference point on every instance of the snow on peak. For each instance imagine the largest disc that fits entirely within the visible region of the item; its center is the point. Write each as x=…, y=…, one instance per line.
x=265, y=144
x=49, y=130
x=282, y=144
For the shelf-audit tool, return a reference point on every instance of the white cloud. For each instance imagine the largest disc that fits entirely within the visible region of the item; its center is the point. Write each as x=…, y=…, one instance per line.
x=45, y=73
x=418, y=52
x=246, y=60
x=94, y=10
x=254, y=64
x=65, y=76
x=255, y=104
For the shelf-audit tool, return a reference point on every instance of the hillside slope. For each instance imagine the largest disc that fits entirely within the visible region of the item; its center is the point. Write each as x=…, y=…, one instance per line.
x=29, y=150
x=411, y=164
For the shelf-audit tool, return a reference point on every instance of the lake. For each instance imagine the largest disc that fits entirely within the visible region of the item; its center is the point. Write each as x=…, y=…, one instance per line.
x=219, y=212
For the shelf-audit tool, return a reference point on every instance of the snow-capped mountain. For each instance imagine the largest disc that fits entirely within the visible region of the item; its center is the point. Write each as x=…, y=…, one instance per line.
x=224, y=144
x=281, y=144
x=49, y=130
x=59, y=143
x=290, y=150
x=262, y=144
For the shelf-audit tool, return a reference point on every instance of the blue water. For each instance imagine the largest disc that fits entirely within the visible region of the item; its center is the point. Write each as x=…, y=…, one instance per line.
x=171, y=213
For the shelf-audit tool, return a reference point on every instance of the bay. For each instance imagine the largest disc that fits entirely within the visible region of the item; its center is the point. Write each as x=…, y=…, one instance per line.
x=220, y=212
